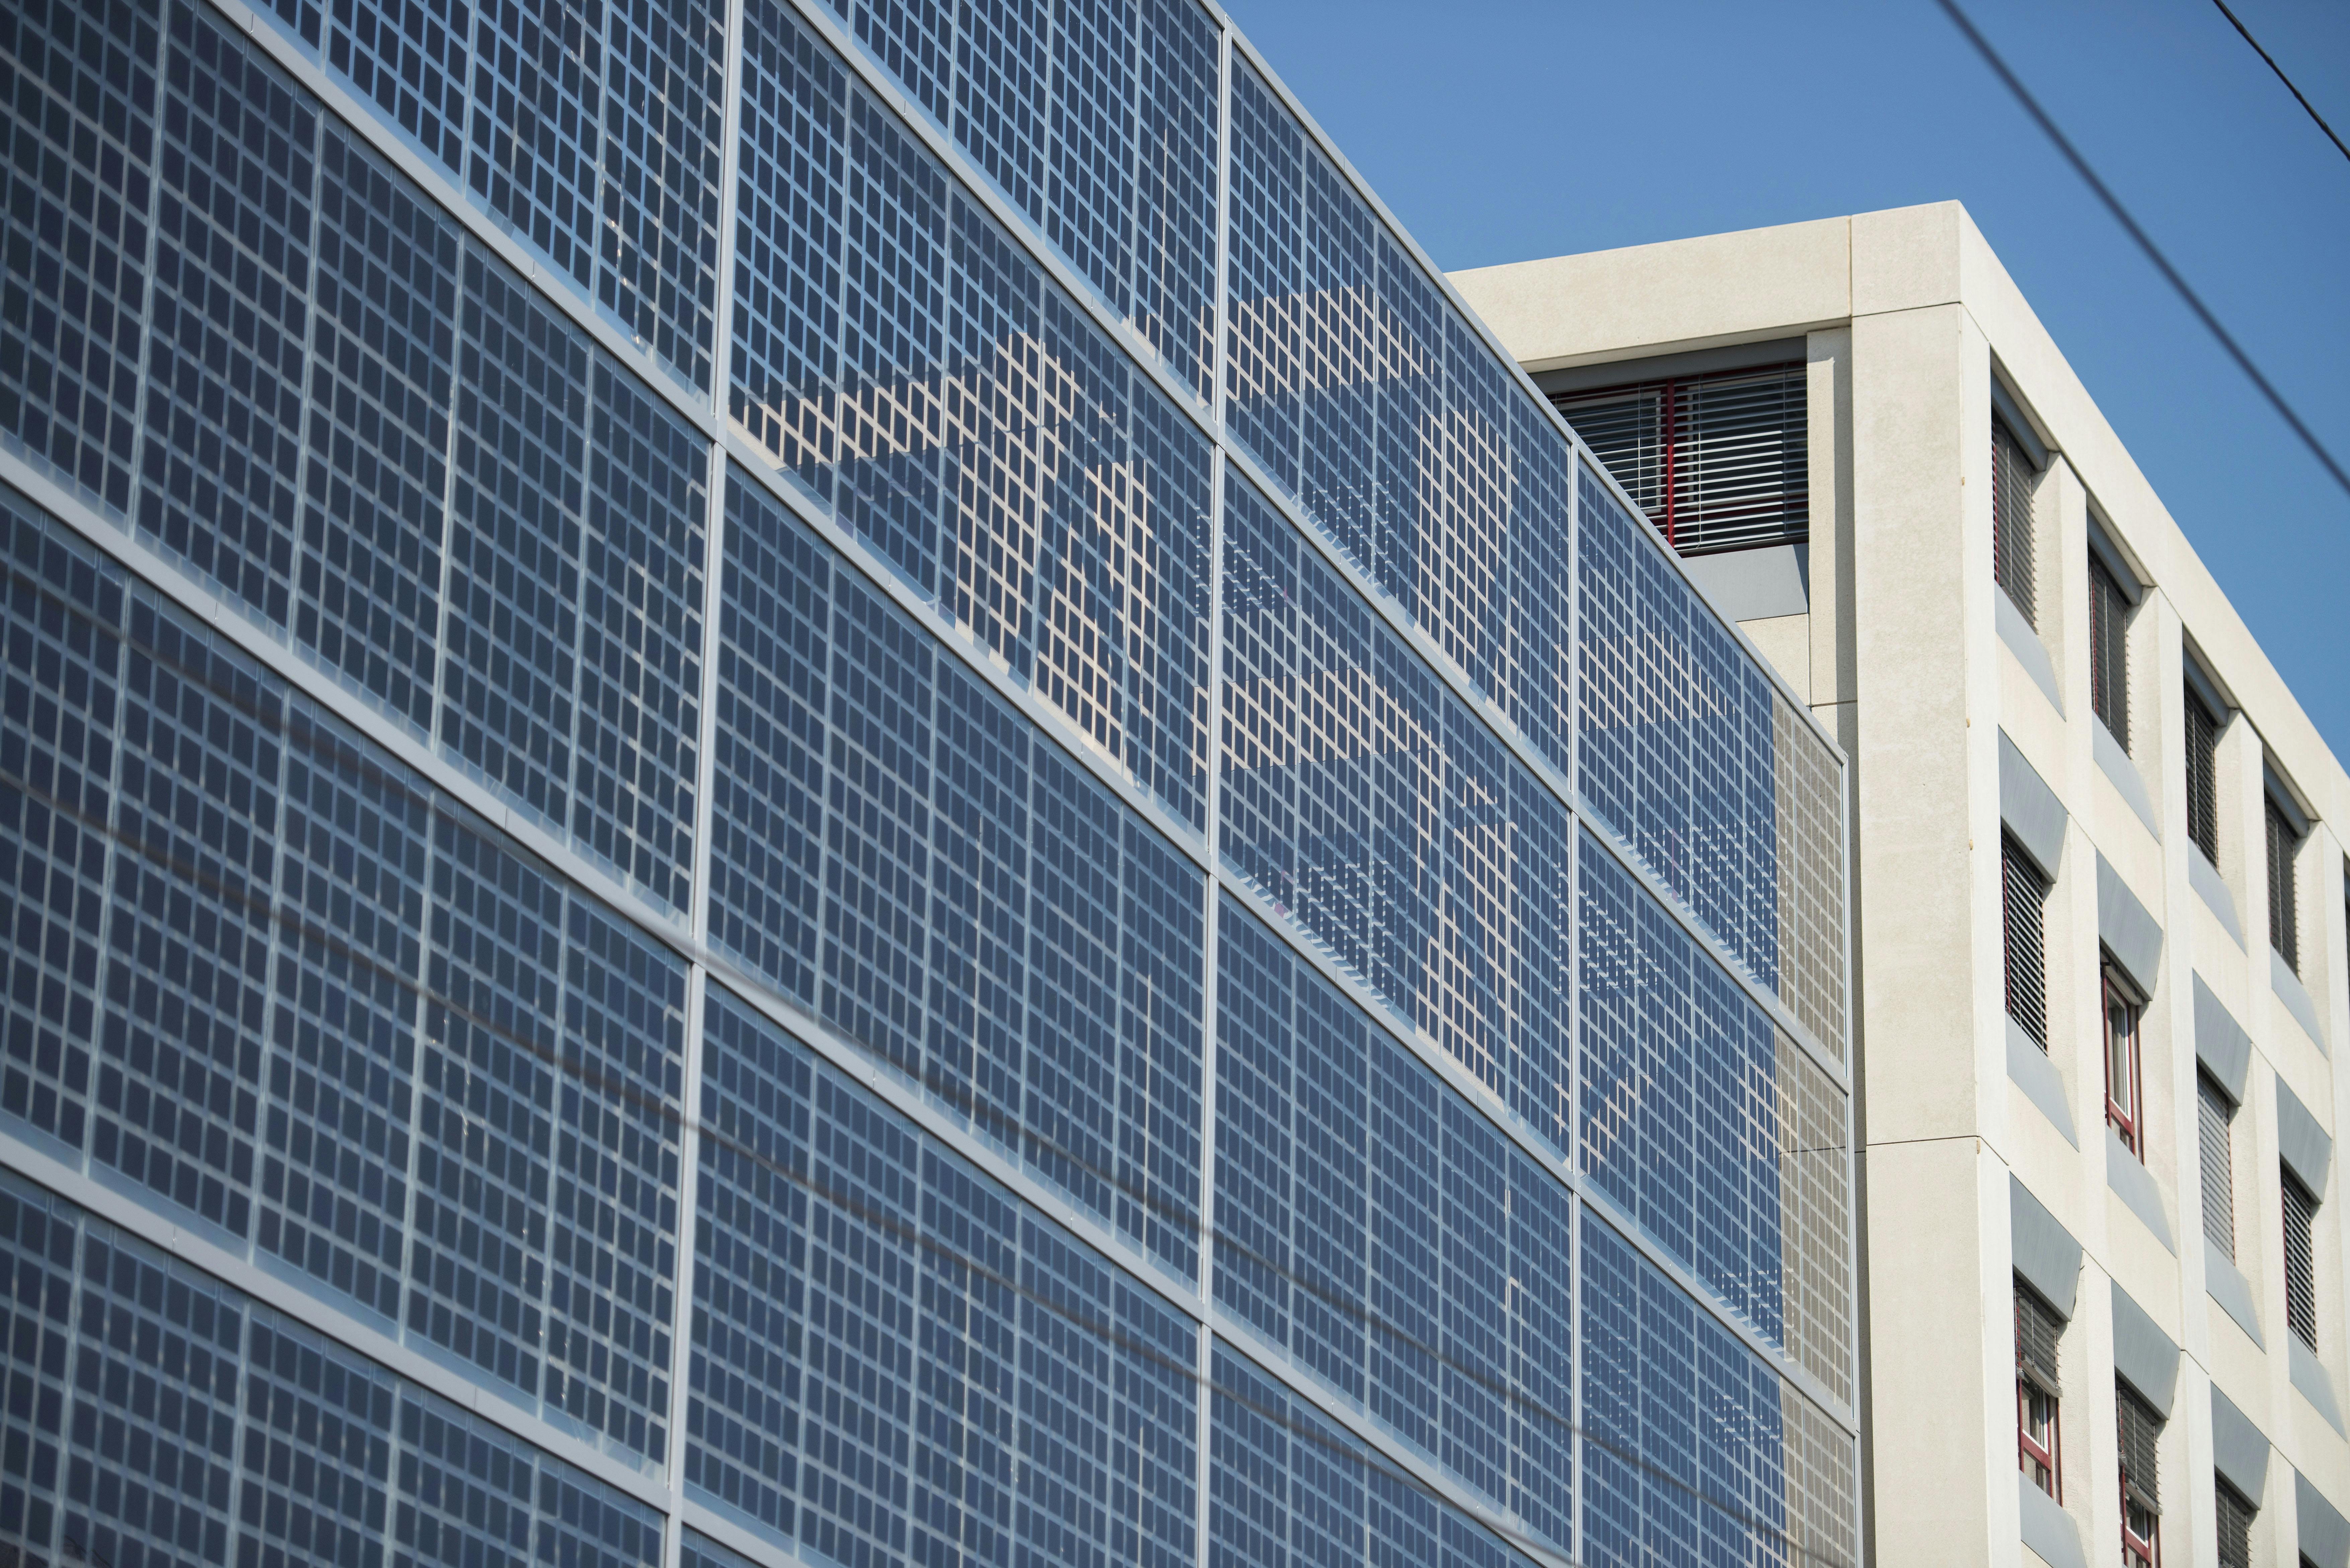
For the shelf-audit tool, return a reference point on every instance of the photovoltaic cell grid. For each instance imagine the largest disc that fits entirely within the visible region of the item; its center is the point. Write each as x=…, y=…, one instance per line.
x=1287, y=1487
x=1366, y=803
x=325, y=1014
x=316, y=333
x=1709, y=1128
x=1690, y=1453
x=1389, y=1237
x=898, y=355
x=898, y=851
x=163, y=1418
x=1369, y=399
x=1704, y=770
x=894, y=1359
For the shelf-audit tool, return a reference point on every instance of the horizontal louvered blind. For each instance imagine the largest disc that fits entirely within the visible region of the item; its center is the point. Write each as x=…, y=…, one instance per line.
x=2202, y=778
x=2300, y=1265
x=2022, y=893
x=2217, y=1141
x=1717, y=463
x=2235, y=1528
x=2013, y=568
x=2037, y=1330
x=2109, y=653
x=2284, y=906
x=2140, y=1430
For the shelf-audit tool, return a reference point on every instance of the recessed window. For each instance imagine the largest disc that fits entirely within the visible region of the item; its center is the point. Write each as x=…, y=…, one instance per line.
x=2284, y=907
x=2012, y=476
x=2300, y=1261
x=2125, y=1082
x=2141, y=1433
x=2037, y=1391
x=2235, y=1527
x=2215, y=1132
x=2023, y=895
x=2109, y=652
x=1717, y=463
x=2202, y=776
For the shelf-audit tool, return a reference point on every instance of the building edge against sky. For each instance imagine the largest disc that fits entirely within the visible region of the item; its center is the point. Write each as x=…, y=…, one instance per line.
x=2099, y=890
x=848, y=783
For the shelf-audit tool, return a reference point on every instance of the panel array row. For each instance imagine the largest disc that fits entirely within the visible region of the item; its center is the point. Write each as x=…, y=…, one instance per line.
x=364, y=431
x=156, y=1416
x=260, y=972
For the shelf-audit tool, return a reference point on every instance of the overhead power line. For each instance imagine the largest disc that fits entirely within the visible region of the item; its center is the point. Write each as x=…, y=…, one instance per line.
x=2153, y=251
x=2296, y=92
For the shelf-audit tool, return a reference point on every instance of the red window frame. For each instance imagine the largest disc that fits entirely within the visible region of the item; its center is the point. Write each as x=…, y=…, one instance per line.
x=2140, y=1550
x=2034, y=1457
x=2124, y=1109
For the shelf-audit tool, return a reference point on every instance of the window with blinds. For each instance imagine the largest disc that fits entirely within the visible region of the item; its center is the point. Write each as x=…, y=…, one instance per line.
x=1717, y=463
x=2109, y=652
x=2012, y=476
x=2023, y=894
x=2123, y=1090
x=2284, y=906
x=2300, y=1261
x=2037, y=1390
x=2235, y=1527
x=2141, y=1433
x=2202, y=776
x=2215, y=1132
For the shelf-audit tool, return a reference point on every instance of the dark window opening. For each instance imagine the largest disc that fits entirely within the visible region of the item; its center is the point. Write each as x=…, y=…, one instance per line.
x=2284, y=911
x=2023, y=892
x=2012, y=476
x=2124, y=1086
x=2109, y=652
x=2215, y=1132
x=2202, y=776
x=2300, y=1261
x=2235, y=1527
x=2141, y=1431
x=1717, y=463
x=2037, y=1391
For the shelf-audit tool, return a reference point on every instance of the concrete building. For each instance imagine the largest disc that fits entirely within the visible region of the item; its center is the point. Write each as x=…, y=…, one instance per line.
x=799, y=781
x=2099, y=885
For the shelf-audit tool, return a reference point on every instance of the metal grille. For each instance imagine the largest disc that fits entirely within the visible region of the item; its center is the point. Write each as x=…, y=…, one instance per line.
x=2202, y=778
x=2037, y=1330
x=2219, y=1164
x=1717, y=463
x=2300, y=1267
x=2023, y=890
x=2109, y=653
x=2011, y=476
x=2141, y=1429
x=2235, y=1516
x=2284, y=911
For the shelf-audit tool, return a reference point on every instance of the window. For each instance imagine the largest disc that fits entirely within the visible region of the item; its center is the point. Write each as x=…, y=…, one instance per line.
x=2235, y=1527
x=2215, y=1115
x=1719, y=462
x=2300, y=1262
x=2284, y=913
x=2022, y=893
x=2013, y=474
x=2125, y=1111
x=2202, y=776
x=2141, y=1431
x=2109, y=652
x=2037, y=1329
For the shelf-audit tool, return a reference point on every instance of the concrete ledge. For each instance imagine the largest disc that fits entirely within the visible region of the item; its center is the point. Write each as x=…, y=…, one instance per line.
x=2240, y=1450
x=2028, y=807
x=2296, y=997
x=2133, y=1183
x=2309, y=1376
x=2030, y=652
x=2325, y=1533
x=2115, y=764
x=2212, y=888
x=2126, y=928
x=2221, y=1045
x=2037, y=1076
x=2225, y=1284
x=1755, y=584
x=2048, y=1529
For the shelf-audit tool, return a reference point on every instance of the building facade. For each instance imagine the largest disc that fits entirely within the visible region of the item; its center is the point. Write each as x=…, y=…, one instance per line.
x=2098, y=891
x=849, y=785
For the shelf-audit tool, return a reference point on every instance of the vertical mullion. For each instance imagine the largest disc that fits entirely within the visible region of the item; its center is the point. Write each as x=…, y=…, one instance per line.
x=697, y=912
x=1212, y=807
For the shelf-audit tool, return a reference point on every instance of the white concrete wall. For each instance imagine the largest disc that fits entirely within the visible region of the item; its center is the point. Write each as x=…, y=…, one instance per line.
x=1905, y=313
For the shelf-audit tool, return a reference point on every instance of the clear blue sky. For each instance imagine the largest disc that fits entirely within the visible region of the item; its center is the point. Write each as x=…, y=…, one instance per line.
x=1502, y=131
